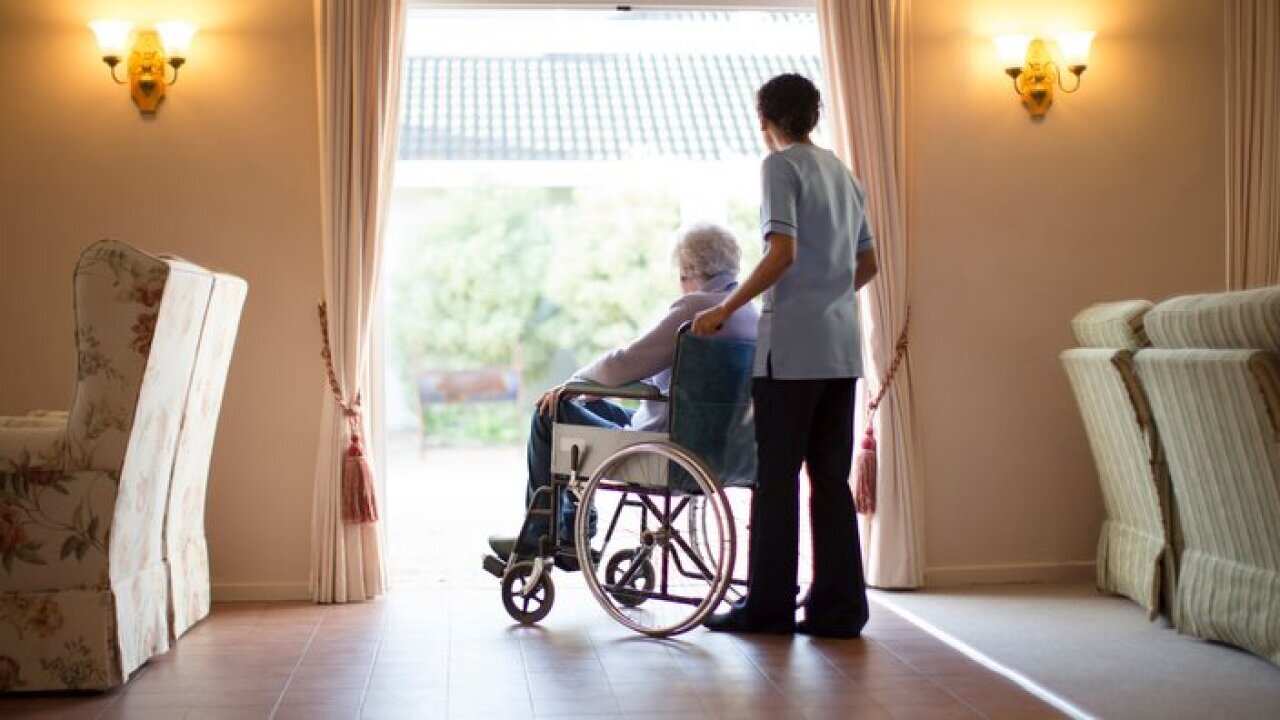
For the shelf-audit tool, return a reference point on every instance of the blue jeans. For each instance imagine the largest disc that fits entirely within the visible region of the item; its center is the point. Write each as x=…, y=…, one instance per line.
x=596, y=413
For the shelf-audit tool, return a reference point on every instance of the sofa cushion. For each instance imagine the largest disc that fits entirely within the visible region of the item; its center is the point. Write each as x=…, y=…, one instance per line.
x=1112, y=325
x=1248, y=319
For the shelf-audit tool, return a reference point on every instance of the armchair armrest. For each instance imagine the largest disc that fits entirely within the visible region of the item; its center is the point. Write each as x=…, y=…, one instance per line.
x=632, y=391
x=32, y=443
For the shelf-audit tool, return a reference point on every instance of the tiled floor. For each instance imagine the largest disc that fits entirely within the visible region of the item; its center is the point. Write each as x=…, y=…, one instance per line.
x=455, y=654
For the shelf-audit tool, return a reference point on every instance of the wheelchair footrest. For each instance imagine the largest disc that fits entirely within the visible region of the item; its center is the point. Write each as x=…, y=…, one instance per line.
x=568, y=560
x=494, y=566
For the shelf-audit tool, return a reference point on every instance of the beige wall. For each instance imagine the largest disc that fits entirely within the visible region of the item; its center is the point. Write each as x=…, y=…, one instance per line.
x=1119, y=193
x=225, y=175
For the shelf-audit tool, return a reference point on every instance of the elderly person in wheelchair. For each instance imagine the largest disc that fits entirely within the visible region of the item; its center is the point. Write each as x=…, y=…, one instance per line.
x=707, y=257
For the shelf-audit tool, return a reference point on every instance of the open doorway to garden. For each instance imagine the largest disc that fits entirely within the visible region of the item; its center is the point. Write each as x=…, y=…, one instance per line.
x=546, y=158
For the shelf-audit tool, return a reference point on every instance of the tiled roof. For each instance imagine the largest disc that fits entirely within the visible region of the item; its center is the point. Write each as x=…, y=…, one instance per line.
x=587, y=107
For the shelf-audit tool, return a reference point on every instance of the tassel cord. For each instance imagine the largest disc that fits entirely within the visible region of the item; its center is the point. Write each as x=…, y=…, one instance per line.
x=359, y=504
x=865, y=465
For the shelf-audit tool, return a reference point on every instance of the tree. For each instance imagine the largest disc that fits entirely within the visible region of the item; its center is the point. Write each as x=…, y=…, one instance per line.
x=514, y=277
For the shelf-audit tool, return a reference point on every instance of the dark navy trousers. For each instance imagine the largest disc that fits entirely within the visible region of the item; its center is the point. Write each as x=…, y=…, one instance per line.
x=596, y=413
x=805, y=422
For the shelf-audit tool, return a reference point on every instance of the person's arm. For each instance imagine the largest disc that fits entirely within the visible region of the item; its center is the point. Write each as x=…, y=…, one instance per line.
x=780, y=256
x=643, y=357
x=639, y=360
x=867, y=268
x=778, y=200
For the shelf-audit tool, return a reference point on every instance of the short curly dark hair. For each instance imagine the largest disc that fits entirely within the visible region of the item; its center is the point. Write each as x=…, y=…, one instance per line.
x=792, y=102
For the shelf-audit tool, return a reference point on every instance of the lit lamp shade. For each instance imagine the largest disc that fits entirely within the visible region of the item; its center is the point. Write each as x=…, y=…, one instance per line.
x=1075, y=47
x=176, y=36
x=1012, y=50
x=113, y=36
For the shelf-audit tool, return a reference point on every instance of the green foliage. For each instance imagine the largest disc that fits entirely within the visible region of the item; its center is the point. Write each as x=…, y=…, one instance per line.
x=522, y=277
x=611, y=274
x=480, y=424
x=466, y=285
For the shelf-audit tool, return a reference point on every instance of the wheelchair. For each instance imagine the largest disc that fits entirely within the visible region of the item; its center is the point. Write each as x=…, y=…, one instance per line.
x=666, y=556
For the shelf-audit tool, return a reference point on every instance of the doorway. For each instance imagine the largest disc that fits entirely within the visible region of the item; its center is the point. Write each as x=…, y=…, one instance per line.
x=546, y=158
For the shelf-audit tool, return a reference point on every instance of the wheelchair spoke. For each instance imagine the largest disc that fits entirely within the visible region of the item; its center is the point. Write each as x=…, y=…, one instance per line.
x=693, y=555
x=613, y=524
x=705, y=574
x=648, y=575
x=638, y=559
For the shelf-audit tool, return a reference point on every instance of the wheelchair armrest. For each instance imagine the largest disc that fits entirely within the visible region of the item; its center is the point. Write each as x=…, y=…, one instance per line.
x=634, y=391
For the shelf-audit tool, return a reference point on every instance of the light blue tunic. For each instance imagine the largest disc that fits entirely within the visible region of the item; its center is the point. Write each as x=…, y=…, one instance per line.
x=809, y=320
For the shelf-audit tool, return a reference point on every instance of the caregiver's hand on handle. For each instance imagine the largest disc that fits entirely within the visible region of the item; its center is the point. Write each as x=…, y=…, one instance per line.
x=780, y=255
x=711, y=320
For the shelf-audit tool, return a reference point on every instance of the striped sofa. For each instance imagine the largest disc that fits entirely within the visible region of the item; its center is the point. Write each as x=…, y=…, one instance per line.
x=1136, y=554
x=1213, y=380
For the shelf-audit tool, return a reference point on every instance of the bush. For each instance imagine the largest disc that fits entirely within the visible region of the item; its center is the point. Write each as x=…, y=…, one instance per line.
x=540, y=279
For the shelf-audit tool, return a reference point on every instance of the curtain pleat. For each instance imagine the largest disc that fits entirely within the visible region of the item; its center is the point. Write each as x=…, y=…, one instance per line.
x=358, y=62
x=1253, y=143
x=864, y=49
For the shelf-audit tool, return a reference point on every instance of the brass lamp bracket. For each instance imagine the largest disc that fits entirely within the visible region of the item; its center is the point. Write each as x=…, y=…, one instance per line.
x=146, y=71
x=1036, y=80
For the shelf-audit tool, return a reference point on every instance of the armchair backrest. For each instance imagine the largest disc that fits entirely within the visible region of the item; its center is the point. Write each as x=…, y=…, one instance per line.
x=1136, y=553
x=1213, y=377
x=138, y=323
x=1243, y=320
x=185, y=548
x=118, y=293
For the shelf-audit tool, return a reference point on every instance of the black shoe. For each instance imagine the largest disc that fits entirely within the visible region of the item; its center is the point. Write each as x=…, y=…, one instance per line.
x=567, y=558
x=738, y=621
x=804, y=627
x=502, y=546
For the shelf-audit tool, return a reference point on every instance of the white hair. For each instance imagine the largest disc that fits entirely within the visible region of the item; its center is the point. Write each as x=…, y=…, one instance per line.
x=705, y=250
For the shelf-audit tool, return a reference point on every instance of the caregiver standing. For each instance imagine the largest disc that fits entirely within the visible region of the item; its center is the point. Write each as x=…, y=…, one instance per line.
x=818, y=253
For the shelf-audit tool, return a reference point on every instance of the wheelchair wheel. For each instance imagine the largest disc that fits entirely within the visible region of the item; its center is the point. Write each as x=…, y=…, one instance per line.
x=740, y=505
x=641, y=581
x=699, y=537
x=532, y=607
x=655, y=582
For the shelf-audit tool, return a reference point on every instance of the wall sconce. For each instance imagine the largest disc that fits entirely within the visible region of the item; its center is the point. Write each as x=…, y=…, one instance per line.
x=1034, y=72
x=145, y=50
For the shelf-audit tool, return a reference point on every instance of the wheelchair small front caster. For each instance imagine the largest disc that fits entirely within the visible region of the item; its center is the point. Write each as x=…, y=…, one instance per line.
x=524, y=603
x=622, y=566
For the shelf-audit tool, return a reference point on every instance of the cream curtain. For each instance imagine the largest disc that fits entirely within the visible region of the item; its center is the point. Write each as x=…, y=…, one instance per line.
x=1253, y=143
x=358, y=60
x=864, y=49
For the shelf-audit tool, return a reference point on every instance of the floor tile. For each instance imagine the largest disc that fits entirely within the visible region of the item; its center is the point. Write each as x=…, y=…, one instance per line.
x=453, y=655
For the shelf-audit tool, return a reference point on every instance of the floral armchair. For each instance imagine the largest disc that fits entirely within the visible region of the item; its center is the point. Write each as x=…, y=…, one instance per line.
x=185, y=551
x=84, y=585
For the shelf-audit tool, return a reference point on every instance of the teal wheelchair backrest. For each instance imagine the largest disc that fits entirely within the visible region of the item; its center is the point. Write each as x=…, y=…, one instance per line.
x=711, y=410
